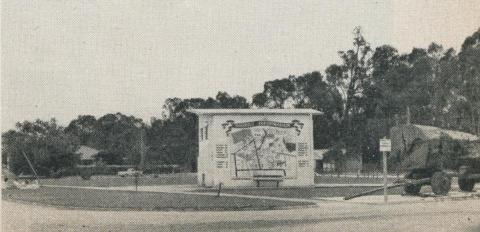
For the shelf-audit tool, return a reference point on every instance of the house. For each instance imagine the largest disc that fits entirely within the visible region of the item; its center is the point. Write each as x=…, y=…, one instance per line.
x=321, y=164
x=87, y=154
x=325, y=162
x=240, y=147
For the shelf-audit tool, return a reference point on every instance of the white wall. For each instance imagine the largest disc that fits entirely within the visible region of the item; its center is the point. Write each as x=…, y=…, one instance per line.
x=205, y=158
x=215, y=154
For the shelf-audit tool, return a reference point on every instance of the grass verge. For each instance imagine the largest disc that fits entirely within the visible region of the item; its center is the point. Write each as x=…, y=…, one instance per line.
x=305, y=193
x=130, y=200
x=116, y=181
x=183, y=178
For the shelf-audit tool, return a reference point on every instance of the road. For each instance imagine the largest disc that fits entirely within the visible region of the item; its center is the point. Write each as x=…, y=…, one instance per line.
x=460, y=215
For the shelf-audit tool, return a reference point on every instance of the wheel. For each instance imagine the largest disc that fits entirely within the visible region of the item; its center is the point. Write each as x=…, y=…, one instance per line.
x=411, y=189
x=440, y=183
x=464, y=183
x=415, y=174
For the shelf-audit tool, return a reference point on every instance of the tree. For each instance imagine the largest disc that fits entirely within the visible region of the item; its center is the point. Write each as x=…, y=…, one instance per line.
x=313, y=92
x=306, y=91
x=45, y=143
x=352, y=78
x=226, y=101
x=119, y=134
x=109, y=158
x=84, y=128
x=276, y=93
x=469, y=58
x=174, y=139
x=259, y=100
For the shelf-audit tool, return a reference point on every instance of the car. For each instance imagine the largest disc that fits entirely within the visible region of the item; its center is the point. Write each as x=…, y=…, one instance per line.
x=130, y=172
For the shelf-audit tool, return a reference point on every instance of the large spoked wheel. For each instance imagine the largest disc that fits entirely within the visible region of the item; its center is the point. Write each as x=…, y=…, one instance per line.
x=412, y=189
x=440, y=183
x=464, y=182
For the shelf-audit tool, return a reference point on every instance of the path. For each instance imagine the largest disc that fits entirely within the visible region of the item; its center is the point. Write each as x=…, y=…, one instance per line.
x=434, y=216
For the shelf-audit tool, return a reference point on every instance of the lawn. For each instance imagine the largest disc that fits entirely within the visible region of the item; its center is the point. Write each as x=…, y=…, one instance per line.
x=182, y=179
x=190, y=178
x=306, y=193
x=115, y=181
x=334, y=179
x=105, y=199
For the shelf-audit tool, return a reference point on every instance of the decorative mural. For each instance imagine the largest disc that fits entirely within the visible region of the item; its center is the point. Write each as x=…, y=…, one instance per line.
x=264, y=148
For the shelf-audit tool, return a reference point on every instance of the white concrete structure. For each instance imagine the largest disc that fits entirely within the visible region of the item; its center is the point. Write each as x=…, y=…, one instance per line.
x=237, y=147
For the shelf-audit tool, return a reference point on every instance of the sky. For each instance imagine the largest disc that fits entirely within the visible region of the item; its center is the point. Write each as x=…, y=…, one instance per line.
x=64, y=58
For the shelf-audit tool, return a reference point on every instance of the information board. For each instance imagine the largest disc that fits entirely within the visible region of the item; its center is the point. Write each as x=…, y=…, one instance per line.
x=385, y=145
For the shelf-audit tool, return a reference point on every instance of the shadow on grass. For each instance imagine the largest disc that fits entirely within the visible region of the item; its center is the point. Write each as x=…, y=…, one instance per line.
x=131, y=200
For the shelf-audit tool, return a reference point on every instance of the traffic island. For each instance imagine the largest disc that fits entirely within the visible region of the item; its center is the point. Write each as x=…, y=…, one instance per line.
x=101, y=199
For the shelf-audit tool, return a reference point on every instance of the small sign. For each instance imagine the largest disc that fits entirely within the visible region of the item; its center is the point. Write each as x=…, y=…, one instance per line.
x=385, y=145
x=303, y=163
x=302, y=149
x=221, y=151
x=222, y=164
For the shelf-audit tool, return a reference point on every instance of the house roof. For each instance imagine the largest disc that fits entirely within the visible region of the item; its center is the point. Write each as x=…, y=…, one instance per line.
x=87, y=152
x=435, y=133
x=255, y=111
x=319, y=154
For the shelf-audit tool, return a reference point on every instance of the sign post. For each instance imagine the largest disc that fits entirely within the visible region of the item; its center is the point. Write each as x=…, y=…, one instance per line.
x=385, y=146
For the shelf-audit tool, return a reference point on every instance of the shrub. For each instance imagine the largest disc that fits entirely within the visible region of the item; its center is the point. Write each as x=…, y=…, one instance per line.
x=86, y=174
x=64, y=172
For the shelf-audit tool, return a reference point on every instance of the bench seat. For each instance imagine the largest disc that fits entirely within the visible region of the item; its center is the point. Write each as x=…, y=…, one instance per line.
x=276, y=178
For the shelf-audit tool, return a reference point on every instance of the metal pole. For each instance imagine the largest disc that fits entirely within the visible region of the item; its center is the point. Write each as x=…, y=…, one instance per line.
x=219, y=189
x=411, y=182
x=385, y=184
x=136, y=182
x=30, y=164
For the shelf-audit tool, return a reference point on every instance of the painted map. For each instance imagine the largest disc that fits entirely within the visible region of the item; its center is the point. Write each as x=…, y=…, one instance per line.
x=264, y=150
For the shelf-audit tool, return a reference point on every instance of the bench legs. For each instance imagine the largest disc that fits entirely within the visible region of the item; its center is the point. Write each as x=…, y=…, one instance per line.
x=258, y=183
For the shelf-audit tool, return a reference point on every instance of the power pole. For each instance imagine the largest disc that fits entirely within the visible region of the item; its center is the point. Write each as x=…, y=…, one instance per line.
x=408, y=116
x=142, y=150
x=139, y=125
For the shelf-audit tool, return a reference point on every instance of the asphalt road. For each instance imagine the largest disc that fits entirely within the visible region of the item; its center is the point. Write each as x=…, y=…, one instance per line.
x=460, y=215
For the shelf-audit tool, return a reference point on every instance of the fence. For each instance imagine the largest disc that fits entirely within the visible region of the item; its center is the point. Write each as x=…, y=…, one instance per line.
x=368, y=171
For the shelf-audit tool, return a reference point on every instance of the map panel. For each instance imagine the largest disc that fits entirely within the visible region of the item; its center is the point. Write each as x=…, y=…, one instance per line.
x=263, y=150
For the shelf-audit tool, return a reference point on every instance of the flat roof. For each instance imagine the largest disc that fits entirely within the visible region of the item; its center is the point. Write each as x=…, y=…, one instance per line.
x=255, y=111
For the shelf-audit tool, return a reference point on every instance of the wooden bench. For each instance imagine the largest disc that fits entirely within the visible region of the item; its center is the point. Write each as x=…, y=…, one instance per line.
x=270, y=178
